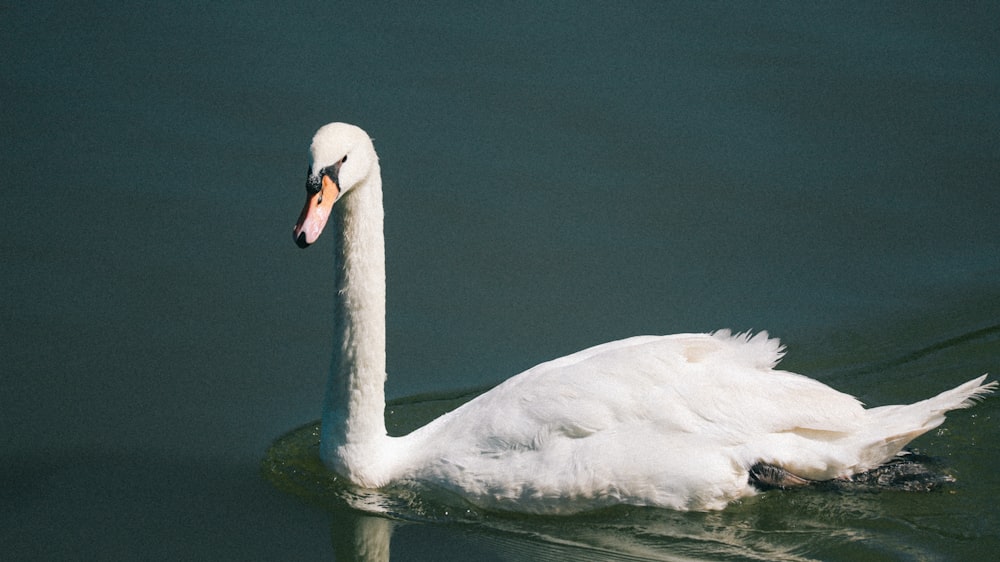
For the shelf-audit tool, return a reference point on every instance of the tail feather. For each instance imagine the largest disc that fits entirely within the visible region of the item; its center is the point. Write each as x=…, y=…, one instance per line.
x=892, y=427
x=969, y=393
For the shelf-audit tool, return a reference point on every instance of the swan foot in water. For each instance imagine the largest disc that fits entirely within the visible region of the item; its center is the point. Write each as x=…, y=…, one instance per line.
x=768, y=476
x=908, y=472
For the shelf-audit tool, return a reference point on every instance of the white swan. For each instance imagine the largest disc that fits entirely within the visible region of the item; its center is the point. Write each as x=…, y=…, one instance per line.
x=686, y=421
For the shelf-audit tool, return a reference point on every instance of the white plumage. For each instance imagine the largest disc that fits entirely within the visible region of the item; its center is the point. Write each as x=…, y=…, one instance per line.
x=672, y=421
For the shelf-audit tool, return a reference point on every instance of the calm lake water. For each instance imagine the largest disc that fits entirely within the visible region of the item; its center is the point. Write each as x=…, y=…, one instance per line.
x=556, y=176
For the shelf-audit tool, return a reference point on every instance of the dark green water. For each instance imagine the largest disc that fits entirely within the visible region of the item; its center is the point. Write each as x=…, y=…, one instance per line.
x=556, y=176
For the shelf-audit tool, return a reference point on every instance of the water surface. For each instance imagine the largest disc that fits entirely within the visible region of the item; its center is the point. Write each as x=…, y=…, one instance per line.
x=556, y=176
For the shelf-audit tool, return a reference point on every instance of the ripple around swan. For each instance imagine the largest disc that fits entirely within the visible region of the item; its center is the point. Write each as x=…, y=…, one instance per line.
x=836, y=520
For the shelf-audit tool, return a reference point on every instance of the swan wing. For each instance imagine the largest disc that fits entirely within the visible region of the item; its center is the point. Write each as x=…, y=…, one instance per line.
x=651, y=419
x=716, y=383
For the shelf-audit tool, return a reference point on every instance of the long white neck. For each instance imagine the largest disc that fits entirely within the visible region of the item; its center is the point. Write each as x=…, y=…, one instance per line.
x=353, y=430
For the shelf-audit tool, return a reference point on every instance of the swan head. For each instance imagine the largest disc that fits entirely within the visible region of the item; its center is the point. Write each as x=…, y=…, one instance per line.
x=342, y=158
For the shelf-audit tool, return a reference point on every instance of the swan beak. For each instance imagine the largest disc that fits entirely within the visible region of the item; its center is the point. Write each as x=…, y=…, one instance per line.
x=316, y=212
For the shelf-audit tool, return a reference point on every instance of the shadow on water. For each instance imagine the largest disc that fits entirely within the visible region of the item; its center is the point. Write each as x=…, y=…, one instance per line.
x=822, y=522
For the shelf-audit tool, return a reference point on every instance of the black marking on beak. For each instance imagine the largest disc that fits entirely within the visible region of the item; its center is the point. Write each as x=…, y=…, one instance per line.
x=301, y=241
x=314, y=183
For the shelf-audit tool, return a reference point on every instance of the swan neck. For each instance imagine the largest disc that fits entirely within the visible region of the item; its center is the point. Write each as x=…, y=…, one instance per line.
x=354, y=408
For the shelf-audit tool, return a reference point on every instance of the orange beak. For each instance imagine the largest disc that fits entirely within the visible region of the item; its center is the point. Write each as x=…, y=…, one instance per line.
x=316, y=212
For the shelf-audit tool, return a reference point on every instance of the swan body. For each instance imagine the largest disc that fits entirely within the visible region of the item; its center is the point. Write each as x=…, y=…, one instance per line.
x=674, y=421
